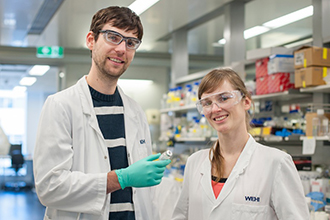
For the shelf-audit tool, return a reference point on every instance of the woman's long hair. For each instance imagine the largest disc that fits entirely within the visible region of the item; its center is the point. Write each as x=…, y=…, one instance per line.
x=210, y=83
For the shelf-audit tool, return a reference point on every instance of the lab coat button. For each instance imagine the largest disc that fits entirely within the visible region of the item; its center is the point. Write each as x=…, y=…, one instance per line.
x=134, y=191
x=105, y=157
x=128, y=155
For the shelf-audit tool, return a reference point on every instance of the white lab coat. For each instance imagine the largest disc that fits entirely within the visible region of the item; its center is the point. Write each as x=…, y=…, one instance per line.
x=263, y=185
x=4, y=143
x=71, y=158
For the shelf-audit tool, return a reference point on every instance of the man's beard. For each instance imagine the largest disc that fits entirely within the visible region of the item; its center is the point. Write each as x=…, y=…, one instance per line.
x=106, y=73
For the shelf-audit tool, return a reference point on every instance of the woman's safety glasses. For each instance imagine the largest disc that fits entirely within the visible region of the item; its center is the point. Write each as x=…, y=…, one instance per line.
x=116, y=38
x=222, y=100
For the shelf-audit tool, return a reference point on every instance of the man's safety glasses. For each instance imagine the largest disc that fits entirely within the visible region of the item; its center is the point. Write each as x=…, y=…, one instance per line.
x=221, y=99
x=116, y=38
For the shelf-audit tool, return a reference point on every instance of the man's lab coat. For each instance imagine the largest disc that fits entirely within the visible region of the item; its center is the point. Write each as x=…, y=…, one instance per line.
x=71, y=158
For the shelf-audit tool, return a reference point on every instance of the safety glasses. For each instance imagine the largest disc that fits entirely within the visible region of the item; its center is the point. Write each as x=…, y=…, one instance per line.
x=222, y=100
x=116, y=38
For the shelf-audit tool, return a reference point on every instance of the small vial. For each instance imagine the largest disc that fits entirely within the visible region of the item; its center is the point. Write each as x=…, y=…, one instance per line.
x=166, y=155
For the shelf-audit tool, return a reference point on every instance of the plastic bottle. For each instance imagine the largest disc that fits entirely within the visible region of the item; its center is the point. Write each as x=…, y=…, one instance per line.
x=184, y=121
x=295, y=119
x=177, y=96
x=166, y=155
x=170, y=98
x=187, y=94
x=195, y=130
x=163, y=103
x=194, y=96
x=320, y=124
x=310, y=208
x=205, y=128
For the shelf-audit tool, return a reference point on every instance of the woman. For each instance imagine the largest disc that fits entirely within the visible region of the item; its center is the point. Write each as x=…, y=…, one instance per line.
x=237, y=178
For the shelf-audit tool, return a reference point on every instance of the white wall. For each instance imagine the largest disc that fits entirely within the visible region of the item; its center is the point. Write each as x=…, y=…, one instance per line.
x=148, y=98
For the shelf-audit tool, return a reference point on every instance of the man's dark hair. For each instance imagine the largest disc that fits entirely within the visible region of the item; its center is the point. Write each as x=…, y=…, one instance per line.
x=119, y=17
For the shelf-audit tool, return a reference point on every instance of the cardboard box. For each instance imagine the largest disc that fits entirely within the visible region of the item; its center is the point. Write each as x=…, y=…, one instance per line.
x=280, y=63
x=262, y=85
x=266, y=52
x=309, y=121
x=311, y=76
x=311, y=56
x=280, y=82
x=261, y=67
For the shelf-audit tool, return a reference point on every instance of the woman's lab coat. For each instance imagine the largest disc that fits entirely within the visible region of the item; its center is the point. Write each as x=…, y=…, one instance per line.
x=71, y=158
x=263, y=185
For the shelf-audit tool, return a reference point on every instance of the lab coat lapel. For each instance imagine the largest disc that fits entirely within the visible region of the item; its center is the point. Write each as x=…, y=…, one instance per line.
x=205, y=171
x=131, y=122
x=239, y=168
x=87, y=104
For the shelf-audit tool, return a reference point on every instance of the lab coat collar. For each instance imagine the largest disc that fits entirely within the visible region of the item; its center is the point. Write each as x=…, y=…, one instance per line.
x=131, y=120
x=87, y=103
x=130, y=115
x=239, y=168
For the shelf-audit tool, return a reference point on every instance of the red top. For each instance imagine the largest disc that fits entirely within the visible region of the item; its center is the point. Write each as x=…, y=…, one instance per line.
x=217, y=186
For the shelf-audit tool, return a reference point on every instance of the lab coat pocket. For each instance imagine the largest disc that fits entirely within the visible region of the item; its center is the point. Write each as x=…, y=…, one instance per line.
x=142, y=148
x=240, y=211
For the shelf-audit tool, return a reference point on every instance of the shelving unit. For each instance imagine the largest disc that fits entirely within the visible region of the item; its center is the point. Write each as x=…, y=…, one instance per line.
x=322, y=88
x=179, y=109
x=323, y=138
x=191, y=139
x=286, y=95
x=292, y=144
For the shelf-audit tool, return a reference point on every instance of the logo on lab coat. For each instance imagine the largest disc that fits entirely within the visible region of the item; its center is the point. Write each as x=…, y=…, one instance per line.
x=252, y=198
x=142, y=141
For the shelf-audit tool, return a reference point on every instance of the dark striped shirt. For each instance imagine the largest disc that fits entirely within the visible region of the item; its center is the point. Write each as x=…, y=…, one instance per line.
x=109, y=111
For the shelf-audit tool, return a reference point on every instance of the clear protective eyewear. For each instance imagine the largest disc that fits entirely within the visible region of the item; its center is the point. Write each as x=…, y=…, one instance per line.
x=221, y=99
x=116, y=38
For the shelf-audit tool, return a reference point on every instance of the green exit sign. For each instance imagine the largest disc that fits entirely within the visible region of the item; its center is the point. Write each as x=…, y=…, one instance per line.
x=50, y=52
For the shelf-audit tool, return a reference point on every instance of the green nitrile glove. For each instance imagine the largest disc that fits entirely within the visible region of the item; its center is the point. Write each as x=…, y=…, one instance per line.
x=143, y=173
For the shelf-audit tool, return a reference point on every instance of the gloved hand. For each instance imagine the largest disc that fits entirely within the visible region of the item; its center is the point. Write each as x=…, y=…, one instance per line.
x=143, y=173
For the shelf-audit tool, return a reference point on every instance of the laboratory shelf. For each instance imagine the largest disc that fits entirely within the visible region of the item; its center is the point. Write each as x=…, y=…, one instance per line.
x=322, y=138
x=321, y=88
x=179, y=109
x=276, y=139
x=191, y=139
x=286, y=95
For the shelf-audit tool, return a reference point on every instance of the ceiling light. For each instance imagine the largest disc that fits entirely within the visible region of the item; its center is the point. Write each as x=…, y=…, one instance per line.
x=27, y=81
x=139, y=6
x=10, y=22
x=290, y=18
x=275, y=23
x=255, y=31
x=39, y=70
x=222, y=41
x=251, y=32
x=19, y=89
x=134, y=82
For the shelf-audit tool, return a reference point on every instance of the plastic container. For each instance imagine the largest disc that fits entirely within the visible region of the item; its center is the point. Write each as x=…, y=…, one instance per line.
x=320, y=124
x=166, y=155
x=310, y=208
x=188, y=94
x=205, y=128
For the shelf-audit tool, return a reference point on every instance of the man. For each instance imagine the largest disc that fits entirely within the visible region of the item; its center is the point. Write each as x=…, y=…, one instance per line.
x=93, y=141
